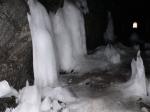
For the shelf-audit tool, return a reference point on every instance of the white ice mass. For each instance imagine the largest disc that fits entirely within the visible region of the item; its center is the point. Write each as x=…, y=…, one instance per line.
x=69, y=34
x=75, y=23
x=137, y=85
x=44, y=59
x=29, y=100
x=63, y=41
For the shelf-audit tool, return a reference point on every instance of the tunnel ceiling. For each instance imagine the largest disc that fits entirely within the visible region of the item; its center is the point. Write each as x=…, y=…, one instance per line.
x=132, y=7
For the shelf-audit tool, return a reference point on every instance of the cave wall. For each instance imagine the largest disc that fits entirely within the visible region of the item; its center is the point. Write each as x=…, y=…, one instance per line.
x=15, y=43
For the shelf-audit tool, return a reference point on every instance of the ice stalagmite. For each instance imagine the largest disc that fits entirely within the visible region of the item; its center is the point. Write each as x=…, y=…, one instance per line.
x=109, y=34
x=63, y=41
x=112, y=54
x=29, y=100
x=136, y=86
x=44, y=60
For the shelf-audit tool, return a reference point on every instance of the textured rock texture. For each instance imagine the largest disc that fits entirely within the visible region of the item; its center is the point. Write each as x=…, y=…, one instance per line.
x=15, y=43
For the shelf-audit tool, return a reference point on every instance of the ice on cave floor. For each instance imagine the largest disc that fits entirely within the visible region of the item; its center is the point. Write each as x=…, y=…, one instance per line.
x=109, y=36
x=6, y=90
x=46, y=105
x=59, y=93
x=102, y=59
x=101, y=105
x=34, y=99
x=29, y=100
x=56, y=99
x=137, y=84
x=90, y=64
x=112, y=55
x=44, y=59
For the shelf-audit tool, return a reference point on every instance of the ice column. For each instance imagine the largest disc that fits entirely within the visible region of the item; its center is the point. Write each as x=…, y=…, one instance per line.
x=63, y=41
x=75, y=24
x=69, y=33
x=44, y=60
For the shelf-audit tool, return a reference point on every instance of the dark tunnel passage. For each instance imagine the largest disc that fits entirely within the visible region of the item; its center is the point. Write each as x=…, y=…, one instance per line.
x=124, y=13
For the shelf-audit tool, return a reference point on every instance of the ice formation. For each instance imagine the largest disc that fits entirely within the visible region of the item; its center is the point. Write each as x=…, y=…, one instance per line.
x=63, y=41
x=44, y=60
x=29, y=102
x=59, y=93
x=136, y=86
x=75, y=23
x=46, y=105
x=6, y=90
x=109, y=34
x=112, y=54
x=69, y=36
x=43, y=100
x=69, y=33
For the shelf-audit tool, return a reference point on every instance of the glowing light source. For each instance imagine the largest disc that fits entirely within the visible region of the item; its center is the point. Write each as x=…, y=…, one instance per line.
x=135, y=25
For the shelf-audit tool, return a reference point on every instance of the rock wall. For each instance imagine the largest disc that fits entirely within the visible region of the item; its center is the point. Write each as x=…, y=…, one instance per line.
x=15, y=43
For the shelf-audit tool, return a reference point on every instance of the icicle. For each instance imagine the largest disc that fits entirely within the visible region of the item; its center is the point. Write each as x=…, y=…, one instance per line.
x=44, y=60
x=136, y=86
x=109, y=34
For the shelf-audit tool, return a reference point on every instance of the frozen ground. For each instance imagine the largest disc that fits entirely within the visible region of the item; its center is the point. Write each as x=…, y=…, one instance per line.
x=93, y=91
